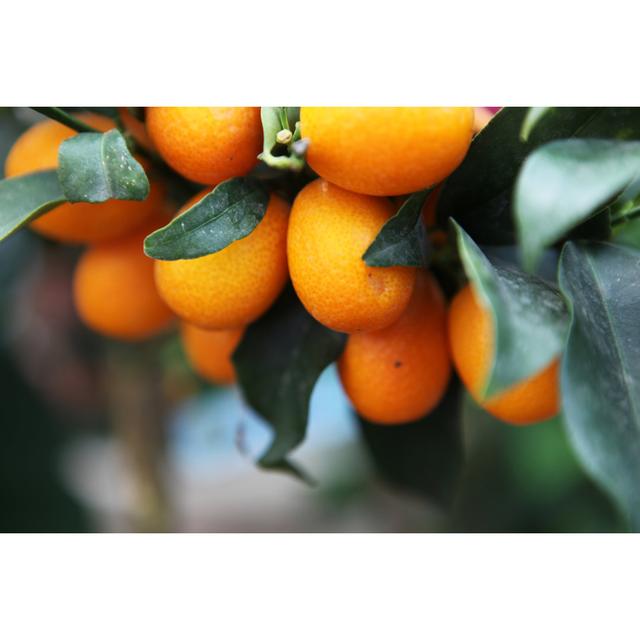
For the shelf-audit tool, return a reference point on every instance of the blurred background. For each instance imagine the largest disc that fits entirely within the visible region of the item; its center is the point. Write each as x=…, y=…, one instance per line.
x=99, y=436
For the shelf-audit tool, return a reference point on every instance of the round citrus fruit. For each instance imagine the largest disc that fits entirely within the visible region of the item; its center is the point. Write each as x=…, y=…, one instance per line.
x=210, y=351
x=115, y=293
x=233, y=287
x=384, y=151
x=471, y=335
x=81, y=222
x=207, y=144
x=400, y=373
x=329, y=231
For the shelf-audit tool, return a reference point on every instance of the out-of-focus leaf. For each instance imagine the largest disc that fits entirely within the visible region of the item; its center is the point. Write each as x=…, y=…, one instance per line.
x=24, y=198
x=600, y=376
x=529, y=316
x=565, y=182
x=230, y=212
x=533, y=117
x=94, y=167
x=278, y=362
x=402, y=241
x=424, y=457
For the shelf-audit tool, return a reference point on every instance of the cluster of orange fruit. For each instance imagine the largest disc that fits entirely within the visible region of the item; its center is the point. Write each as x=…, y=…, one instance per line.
x=397, y=361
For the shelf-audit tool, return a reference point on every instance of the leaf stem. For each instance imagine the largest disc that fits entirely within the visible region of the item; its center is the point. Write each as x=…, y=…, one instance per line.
x=61, y=116
x=628, y=215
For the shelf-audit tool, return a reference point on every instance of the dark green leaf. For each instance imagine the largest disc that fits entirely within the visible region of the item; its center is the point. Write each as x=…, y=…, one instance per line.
x=278, y=362
x=94, y=167
x=402, y=240
x=478, y=194
x=24, y=198
x=424, y=457
x=230, y=212
x=600, y=377
x=565, y=182
x=533, y=117
x=628, y=233
x=529, y=316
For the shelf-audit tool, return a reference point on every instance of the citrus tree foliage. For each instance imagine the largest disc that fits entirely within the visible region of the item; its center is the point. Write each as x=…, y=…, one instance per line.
x=552, y=191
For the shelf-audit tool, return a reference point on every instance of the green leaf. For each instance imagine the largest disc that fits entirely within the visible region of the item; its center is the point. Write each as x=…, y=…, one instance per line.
x=230, y=212
x=533, y=117
x=478, y=194
x=24, y=198
x=402, y=240
x=565, y=182
x=424, y=457
x=600, y=376
x=95, y=167
x=278, y=362
x=274, y=153
x=529, y=316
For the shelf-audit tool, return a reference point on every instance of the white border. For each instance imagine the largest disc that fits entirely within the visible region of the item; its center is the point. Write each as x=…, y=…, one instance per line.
x=318, y=586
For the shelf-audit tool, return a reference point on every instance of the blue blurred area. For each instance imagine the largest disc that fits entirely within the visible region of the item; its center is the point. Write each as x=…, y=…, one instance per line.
x=215, y=430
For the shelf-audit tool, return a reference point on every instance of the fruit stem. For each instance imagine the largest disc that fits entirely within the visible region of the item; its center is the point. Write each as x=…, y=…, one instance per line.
x=55, y=113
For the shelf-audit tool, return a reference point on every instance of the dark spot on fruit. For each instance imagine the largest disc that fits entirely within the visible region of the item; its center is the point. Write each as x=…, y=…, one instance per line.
x=397, y=364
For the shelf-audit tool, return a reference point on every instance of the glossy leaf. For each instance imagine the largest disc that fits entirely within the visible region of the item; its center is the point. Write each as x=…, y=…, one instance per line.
x=402, y=240
x=565, y=182
x=533, y=117
x=424, y=457
x=601, y=367
x=278, y=362
x=95, y=167
x=529, y=316
x=24, y=198
x=478, y=194
x=229, y=213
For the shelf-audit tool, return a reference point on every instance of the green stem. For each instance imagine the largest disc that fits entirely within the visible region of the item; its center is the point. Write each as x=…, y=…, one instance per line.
x=55, y=113
x=628, y=215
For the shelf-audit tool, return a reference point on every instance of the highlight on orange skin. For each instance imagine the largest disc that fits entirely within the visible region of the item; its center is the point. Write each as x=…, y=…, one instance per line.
x=386, y=151
x=471, y=335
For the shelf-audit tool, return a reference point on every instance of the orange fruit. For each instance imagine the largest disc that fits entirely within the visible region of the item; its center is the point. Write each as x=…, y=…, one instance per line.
x=114, y=290
x=329, y=230
x=209, y=352
x=207, y=144
x=384, y=151
x=471, y=335
x=82, y=222
x=400, y=373
x=233, y=287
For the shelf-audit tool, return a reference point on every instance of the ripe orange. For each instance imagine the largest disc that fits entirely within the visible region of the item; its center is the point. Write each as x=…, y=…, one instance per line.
x=384, y=151
x=114, y=290
x=37, y=149
x=207, y=144
x=472, y=345
x=233, y=287
x=400, y=373
x=330, y=229
x=209, y=352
